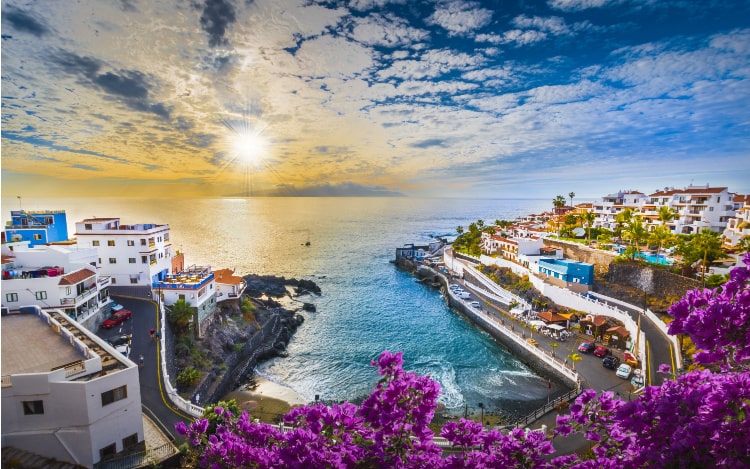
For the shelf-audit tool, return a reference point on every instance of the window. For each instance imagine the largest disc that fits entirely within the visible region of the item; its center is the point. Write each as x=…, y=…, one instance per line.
x=143, y=241
x=95, y=242
x=87, y=226
x=130, y=441
x=133, y=280
x=114, y=395
x=131, y=242
x=11, y=297
x=37, y=237
x=710, y=209
x=33, y=407
x=67, y=290
x=114, y=280
x=111, y=242
x=131, y=260
x=41, y=295
x=144, y=260
x=113, y=260
x=108, y=451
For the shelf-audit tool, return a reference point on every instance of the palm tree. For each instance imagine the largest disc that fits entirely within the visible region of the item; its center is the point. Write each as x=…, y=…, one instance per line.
x=709, y=243
x=180, y=314
x=667, y=214
x=659, y=236
x=459, y=229
x=589, y=217
x=554, y=346
x=571, y=195
x=574, y=357
x=635, y=231
x=558, y=202
x=623, y=219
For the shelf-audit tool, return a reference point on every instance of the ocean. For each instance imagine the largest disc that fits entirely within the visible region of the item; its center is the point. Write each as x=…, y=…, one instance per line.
x=367, y=305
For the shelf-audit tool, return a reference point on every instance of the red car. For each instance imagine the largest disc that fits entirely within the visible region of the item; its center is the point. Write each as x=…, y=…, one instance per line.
x=116, y=318
x=586, y=347
x=601, y=351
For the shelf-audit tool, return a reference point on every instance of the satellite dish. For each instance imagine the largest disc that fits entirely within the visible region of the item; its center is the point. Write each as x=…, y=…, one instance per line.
x=579, y=232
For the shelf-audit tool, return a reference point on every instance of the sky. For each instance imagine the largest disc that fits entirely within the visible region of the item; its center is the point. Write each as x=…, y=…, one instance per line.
x=486, y=99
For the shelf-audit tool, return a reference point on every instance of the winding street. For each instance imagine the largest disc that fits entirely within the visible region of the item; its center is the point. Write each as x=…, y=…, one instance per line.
x=154, y=401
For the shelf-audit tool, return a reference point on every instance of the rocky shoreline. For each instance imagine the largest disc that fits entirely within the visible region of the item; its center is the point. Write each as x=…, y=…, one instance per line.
x=235, y=343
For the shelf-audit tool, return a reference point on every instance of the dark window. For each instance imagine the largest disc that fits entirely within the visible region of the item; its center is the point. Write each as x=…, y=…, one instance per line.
x=143, y=241
x=11, y=297
x=87, y=226
x=41, y=295
x=131, y=242
x=108, y=451
x=111, y=242
x=131, y=260
x=95, y=242
x=130, y=441
x=114, y=395
x=33, y=407
x=113, y=260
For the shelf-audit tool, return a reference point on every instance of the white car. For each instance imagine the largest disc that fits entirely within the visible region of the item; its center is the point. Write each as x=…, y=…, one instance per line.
x=475, y=304
x=123, y=349
x=623, y=371
x=116, y=307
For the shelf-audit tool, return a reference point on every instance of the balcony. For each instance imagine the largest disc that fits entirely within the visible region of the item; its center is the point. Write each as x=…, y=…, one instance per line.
x=80, y=298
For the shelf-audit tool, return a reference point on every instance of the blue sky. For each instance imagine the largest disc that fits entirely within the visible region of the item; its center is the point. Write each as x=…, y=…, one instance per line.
x=374, y=97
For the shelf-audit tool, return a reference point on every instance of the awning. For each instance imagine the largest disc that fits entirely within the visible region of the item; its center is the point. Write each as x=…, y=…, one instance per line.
x=556, y=327
x=537, y=323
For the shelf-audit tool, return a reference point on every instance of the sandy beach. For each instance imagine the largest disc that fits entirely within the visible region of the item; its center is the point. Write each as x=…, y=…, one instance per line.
x=266, y=400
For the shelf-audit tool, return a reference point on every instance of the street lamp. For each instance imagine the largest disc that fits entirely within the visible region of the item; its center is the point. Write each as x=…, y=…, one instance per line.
x=481, y=406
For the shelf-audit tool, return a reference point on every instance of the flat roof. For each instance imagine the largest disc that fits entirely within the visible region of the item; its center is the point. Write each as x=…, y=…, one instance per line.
x=31, y=346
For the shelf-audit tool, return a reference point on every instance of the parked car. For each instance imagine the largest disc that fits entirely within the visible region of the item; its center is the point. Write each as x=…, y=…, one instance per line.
x=630, y=359
x=123, y=349
x=116, y=307
x=586, y=347
x=601, y=351
x=623, y=371
x=637, y=379
x=475, y=304
x=464, y=295
x=119, y=340
x=117, y=318
x=611, y=362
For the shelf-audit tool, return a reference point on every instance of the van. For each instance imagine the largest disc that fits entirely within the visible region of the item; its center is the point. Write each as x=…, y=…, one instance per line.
x=464, y=295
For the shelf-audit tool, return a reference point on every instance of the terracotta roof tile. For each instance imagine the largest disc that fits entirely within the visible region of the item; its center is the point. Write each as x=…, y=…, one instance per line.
x=76, y=277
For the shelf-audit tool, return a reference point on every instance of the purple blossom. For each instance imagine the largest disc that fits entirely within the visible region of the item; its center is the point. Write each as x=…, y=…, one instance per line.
x=700, y=419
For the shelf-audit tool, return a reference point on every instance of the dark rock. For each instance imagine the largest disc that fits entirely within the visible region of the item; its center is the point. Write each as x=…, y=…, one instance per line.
x=309, y=307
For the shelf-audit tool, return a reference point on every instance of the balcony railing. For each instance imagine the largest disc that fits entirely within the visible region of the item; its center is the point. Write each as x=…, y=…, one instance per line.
x=79, y=298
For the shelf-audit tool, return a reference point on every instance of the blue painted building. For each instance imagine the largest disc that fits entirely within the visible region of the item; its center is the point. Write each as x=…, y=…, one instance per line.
x=37, y=227
x=567, y=271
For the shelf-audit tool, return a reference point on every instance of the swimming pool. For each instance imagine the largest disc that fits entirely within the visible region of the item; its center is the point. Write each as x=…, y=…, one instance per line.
x=654, y=259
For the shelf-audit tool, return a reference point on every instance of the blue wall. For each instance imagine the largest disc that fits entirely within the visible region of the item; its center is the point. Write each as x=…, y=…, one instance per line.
x=48, y=226
x=568, y=270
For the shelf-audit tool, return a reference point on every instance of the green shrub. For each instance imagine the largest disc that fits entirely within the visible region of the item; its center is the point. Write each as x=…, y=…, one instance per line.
x=188, y=377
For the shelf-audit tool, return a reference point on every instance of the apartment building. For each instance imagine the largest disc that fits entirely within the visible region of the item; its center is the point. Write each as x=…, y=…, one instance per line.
x=131, y=255
x=36, y=227
x=739, y=226
x=196, y=286
x=55, y=276
x=696, y=208
x=66, y=394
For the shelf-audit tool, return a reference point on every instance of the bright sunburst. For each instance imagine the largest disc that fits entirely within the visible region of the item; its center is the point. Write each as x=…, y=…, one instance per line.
x=249, y=146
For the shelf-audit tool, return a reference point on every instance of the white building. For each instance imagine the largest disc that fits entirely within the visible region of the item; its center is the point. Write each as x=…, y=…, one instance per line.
x=55, y=276
x=697, y=207
x=611, y=205
x=195, y=285
x=739, y=226
x=129, y=254
x=228, y=285
x=65, y=393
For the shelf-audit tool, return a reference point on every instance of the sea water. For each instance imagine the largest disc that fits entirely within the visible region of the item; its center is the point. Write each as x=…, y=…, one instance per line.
x=367, y=305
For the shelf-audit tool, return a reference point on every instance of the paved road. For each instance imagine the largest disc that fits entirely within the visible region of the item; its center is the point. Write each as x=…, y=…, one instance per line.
x=153, y=400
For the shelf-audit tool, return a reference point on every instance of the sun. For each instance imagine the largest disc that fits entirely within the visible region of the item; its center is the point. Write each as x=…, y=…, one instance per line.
x=249, y=146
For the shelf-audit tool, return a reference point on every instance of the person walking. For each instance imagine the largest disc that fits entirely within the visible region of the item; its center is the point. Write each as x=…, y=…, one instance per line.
x=140, y=361
x=152, y=333
x=158, y=335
